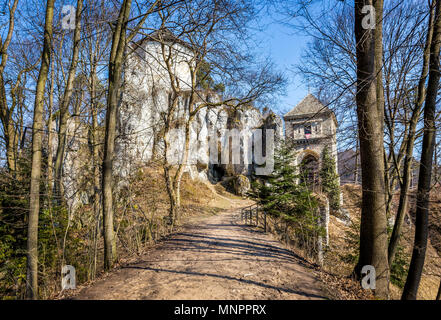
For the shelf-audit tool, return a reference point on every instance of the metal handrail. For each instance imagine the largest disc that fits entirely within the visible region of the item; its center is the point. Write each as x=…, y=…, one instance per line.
x=248, y=212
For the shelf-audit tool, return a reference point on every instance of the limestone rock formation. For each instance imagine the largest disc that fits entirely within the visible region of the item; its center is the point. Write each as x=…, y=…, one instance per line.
x=241, y=185
x=145, y=100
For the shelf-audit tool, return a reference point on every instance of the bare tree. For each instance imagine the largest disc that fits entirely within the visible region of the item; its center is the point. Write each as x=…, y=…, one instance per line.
x=409, y=143
x=425, y=176
x=199, y=43
x=95, y=49
x=6, y=112
x=64, y=107
x=34, y=198
x=373, y=227
x=119, y=42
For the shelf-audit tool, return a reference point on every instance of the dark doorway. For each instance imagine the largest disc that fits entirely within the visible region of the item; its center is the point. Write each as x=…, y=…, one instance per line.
x=309, y=172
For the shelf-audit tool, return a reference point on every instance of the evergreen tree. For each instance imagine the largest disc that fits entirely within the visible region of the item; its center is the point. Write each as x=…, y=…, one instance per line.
x=329, y=179
x=281, y=195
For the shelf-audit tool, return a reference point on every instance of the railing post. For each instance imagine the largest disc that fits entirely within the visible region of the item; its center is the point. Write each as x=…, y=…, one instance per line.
x=264, y=217
x=257, y=215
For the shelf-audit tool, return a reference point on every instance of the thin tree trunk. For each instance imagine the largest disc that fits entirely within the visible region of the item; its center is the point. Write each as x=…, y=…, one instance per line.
x=378, y=36
x=96, y=167
x=410, y=290
x=408, y=160
x=34, y=198
x=64, y=108
x=115, y=72
x=169, y=181
x=357, y=156
x=373, y=228
x=180, y=171
x=171, y=195
x=10, y=133
x=50, y=128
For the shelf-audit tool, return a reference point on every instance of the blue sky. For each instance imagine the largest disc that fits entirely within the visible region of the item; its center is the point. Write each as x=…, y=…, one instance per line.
x=284, y=46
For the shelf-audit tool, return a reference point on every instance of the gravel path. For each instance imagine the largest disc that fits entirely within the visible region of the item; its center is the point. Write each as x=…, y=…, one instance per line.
x=215, y=258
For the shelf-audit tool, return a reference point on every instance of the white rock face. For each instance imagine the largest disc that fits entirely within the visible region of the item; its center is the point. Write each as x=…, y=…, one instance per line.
x=76, y=160
x=146, y=93
x=145, y=97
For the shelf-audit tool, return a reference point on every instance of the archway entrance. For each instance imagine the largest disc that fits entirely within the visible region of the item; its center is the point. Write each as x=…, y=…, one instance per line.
x=309, y=172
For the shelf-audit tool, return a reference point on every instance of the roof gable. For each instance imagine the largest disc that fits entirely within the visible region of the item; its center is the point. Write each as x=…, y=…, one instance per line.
x=163, y=35
x=309, y=105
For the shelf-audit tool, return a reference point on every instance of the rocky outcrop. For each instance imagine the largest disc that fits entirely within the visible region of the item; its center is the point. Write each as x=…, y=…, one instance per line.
x=145, y=101
x=140, y=140
x=241, y=185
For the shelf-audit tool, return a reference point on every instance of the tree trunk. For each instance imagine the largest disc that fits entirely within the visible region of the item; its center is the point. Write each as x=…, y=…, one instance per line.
x=95, y=157
x=180, y=171
x=169, y=181
x=410, y=290
x=373, y=228
x=378, y=36
x=408, y=160
x=50, y=128
x=9, y=130
x=10, y=133
x=115, y=72
x=34, y=198
x=357, y=152
x=173, y=210
x=64, y=108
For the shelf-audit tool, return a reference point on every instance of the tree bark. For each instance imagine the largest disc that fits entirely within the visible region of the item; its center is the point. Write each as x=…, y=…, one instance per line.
x=410, y=290
x=115, y=72
x=64, y=108
x=34, y=198
x=10, y=133
x=373, y=228
x=95, y=157
x=378, y=35
x=169, y=180
x=50, y=128
x=408, y=160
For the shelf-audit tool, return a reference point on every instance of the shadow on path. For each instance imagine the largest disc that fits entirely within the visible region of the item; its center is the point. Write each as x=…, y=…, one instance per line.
x=301, y=293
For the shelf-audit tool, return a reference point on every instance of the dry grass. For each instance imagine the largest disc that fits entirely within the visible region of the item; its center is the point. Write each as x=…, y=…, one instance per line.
x=140, y=215
x=341, y=242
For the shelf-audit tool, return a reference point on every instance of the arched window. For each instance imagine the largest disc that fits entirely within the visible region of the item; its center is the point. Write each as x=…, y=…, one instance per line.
x=308, y=129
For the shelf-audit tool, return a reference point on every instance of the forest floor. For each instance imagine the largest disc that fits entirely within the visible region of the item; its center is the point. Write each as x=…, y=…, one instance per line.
x=212, y=257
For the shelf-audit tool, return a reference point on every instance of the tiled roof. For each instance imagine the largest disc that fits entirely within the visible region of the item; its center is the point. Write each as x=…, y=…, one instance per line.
x=309, y=105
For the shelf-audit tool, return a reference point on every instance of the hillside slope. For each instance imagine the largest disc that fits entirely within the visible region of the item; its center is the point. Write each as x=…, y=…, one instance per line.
x=343, y=252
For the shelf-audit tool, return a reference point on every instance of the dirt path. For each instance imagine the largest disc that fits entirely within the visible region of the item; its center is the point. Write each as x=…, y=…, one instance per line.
x=217, y=258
